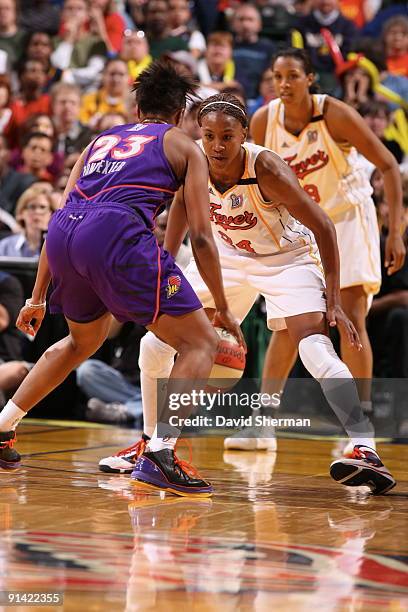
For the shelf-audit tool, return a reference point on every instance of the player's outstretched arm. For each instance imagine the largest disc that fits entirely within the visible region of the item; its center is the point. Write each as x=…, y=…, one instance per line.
x=279, y=185
x=346, y=125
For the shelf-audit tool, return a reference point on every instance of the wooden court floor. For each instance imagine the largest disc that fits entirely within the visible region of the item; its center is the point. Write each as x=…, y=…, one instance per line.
x=278, y=534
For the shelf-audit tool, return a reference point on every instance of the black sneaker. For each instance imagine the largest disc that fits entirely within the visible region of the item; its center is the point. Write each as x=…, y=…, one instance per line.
x=165, y=471
x=363, y=468
x=9, y=458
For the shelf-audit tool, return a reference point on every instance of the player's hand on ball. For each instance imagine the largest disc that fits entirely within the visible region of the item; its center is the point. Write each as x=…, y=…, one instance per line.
x=336, y=317
x=224, y=318
x=29, y=319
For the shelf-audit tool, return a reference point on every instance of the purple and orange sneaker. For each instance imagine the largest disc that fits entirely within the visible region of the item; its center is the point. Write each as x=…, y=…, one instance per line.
x=363, y=468
x=9, y=458
x=163, y=470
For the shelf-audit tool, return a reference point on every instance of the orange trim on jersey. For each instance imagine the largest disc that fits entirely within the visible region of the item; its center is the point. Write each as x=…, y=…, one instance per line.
x=258, y=212
x=124, y=185
x=156, y=312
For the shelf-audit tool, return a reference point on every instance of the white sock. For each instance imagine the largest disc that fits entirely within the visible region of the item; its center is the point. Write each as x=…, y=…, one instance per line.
x=10, y=416
x=156, y=444
x=148, y=386
x=156, y=360
x=369, y=442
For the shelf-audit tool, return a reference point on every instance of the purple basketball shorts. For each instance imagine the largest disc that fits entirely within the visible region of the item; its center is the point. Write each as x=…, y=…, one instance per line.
x=103, y=258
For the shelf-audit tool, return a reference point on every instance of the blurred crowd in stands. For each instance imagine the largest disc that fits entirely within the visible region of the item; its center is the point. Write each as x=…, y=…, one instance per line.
x=66, y=73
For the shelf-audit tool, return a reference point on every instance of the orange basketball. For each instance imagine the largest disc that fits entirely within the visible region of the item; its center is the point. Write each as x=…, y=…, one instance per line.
x=229, y=363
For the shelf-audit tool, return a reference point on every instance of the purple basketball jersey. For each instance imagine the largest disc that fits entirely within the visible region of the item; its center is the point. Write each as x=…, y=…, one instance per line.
x=127, y=165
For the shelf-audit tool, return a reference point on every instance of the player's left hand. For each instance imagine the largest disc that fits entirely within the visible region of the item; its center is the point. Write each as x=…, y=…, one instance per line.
x=394, y=253
x=29, y=319
x=225, y=319
x=336, y=316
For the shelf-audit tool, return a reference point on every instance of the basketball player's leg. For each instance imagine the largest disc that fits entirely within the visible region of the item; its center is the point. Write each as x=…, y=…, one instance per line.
x=280, y=358
x=195, y=341
x=156, y=357
x=360, y=363
x=50, y=370
x=309, y=332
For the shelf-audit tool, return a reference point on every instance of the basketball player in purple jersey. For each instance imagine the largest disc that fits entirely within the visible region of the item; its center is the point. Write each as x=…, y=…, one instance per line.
x=103, y=258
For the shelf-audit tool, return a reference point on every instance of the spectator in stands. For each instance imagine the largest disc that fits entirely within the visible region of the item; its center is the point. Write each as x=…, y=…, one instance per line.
x=37, y=155
x=69, y=163
x=278, y=17
x=266, y=92
x=388, y=9
x=251, y=54
x=359, y=11
x=217, y=68
x=111, y=97
x=8, y=125
x=107, y=23
x=110, y=120
x=12, y=183
x=33, y=212
x=114, y=387
x=39, y=47
x=395, y=40
x=39, y=16
x=38, y=123
x=158, y=29
x=358, y=85
x=31, y=99
x=136, y=12
x=180, y=19
x=326, y=14
x=72, y=136
x=12, y=38
x=388, y=317
x=377, y=115
x=79, y=53
x=12, y=369
x=377, y=183
x=135, y=52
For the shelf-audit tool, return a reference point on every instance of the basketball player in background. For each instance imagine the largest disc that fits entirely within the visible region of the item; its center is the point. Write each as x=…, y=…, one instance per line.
x=260, y=218
x=318, y=137
x=103, y=258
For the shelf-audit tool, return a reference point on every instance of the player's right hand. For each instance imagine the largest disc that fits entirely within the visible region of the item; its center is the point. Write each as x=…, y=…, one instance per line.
x=29, y=319
x=336, y=316
x=225, y=319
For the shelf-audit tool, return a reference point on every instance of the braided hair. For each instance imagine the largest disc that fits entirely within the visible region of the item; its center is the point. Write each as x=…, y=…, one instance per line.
x=223, y=103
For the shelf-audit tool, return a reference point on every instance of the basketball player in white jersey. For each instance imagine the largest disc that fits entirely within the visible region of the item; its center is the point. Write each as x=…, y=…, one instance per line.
x=257, y=210
x=318, y=137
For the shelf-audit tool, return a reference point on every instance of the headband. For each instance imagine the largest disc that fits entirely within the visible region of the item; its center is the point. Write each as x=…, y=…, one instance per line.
x=223, y=102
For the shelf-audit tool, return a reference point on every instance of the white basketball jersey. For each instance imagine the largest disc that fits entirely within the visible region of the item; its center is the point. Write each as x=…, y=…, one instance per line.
x=331, y=174
x=243, y=221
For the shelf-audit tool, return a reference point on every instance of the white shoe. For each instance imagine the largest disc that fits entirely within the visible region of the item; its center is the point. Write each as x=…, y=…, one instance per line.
x=249, y=440
x=345, y=448
x=364, y=468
